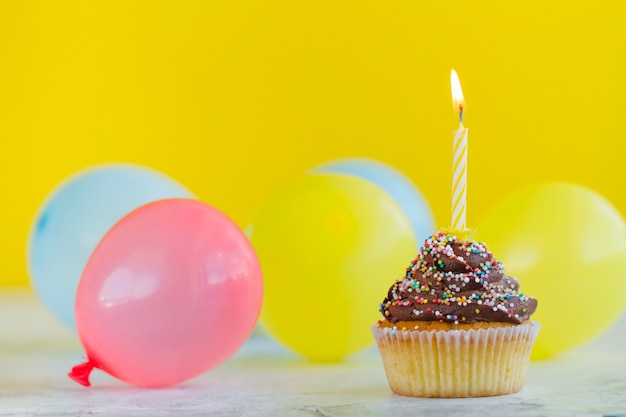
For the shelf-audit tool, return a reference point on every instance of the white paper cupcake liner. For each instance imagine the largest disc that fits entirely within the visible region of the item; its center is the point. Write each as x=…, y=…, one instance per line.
x=456, y=363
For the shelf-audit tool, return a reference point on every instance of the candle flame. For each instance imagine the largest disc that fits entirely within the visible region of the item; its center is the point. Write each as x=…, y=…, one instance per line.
x=457, y=95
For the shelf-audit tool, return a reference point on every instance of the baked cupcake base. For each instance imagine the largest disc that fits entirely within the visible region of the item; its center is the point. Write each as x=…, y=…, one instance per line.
x=462, y=360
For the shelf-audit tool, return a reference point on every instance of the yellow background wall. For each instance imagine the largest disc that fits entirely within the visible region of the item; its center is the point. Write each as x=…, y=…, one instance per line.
x=235, y=98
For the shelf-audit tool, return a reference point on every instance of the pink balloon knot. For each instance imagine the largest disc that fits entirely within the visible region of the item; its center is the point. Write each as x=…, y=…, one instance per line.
x=80, y=373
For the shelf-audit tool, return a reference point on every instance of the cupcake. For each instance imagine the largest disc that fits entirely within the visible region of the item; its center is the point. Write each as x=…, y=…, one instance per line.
x=455, y=325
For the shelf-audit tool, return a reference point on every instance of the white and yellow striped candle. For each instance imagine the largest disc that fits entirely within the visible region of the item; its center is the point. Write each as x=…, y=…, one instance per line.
x=459, y=164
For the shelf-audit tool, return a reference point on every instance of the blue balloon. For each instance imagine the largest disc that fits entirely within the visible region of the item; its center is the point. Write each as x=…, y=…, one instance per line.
x=396, y=184
x=75, y=217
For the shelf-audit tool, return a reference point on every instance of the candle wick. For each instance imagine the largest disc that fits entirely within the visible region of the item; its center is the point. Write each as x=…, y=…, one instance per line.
x=461, y=114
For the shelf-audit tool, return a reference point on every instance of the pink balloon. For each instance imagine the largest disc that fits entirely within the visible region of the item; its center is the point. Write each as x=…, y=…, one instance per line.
x=171, y=291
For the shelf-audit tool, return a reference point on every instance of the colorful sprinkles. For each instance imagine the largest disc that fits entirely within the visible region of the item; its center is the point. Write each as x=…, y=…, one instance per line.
x=456, y=281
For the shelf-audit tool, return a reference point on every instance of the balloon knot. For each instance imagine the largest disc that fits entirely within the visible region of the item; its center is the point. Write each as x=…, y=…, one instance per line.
x=80, y=373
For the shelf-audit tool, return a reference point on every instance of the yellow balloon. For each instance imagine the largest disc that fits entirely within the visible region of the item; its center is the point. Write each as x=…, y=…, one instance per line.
x=567, y=246
x=329, y=244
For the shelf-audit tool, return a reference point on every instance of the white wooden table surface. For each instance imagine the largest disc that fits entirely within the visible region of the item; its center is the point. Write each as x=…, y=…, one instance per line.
x=262, y=379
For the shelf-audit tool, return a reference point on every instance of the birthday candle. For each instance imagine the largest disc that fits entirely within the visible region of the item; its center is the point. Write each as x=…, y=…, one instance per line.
x=459, y=164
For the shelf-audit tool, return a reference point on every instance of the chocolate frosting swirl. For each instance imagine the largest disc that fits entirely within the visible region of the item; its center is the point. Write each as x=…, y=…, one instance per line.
x=457, y=282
